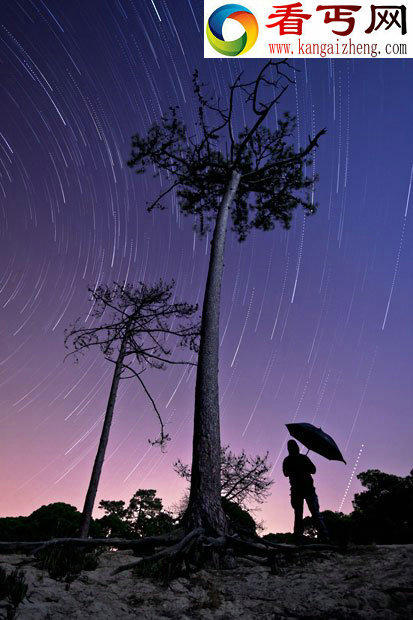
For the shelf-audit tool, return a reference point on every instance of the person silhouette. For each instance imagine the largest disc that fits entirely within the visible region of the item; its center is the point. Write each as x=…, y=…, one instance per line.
x=298, y=468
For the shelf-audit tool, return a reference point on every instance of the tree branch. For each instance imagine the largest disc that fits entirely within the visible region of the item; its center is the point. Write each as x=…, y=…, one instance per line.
x=163, y=438
x=297, y=157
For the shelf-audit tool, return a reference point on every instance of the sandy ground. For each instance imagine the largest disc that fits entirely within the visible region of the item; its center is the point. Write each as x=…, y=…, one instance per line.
x=374, y=582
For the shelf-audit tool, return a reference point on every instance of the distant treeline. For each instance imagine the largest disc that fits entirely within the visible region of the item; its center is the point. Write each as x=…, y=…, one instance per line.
x=383, y=514
x=143, y=516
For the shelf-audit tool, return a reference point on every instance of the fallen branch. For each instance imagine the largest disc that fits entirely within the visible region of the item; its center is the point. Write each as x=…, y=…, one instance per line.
x=267, y=549
x=140, y=544
x=289, y=547
x=292, y=547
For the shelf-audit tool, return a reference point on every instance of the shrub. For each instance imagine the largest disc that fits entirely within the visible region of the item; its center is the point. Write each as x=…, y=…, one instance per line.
x=65, y=563
x=240, y=521
x=13, y=588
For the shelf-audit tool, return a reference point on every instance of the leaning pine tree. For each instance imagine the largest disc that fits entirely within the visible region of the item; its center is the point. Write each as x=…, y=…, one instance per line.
x=135, y=327
x=256, y=178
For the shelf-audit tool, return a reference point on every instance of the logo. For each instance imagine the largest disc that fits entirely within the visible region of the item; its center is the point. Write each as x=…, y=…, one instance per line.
x=241, y=15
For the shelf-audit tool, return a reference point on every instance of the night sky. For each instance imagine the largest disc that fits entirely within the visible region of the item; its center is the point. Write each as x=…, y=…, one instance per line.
x=316, y=322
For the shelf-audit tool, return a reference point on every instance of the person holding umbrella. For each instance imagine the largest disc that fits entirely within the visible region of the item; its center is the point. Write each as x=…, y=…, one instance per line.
x=299, y=469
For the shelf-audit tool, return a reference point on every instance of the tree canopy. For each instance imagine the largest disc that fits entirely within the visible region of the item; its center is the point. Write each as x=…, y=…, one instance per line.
x=143, y=516
x=383, y=513
x=199, y=163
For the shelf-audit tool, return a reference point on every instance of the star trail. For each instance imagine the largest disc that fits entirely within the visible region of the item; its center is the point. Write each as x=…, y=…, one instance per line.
x=316, y=322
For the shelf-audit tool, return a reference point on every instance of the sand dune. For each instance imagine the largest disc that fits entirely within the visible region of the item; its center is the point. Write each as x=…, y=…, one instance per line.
x=375, y=582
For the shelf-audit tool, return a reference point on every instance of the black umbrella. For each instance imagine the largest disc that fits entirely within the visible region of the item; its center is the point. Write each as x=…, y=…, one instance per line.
x=316, y=440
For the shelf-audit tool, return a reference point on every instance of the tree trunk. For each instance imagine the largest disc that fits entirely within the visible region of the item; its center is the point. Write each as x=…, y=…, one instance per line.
x=100, y=455
x=204, y=507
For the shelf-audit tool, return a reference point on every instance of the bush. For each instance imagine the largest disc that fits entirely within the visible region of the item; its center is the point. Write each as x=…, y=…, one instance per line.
x=286, y=538
x=240, y=521
x=339, y=526
x=112, y=526
x=15, y=528
x=58, y=520
x=55, y=521
x=65, y=563
x=13, y=588
x=383, y=514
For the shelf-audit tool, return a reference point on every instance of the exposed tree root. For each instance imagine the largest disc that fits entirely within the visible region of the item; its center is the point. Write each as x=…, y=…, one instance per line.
x=251, y=560
x=173, y=554
x=200, y=550
x=169, y=555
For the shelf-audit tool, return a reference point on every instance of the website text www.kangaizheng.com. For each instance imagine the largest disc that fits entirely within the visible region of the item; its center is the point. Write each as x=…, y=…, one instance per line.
x=340, y=48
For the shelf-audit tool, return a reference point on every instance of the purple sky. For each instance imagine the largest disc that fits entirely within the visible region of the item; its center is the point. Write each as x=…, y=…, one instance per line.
x=316, y=322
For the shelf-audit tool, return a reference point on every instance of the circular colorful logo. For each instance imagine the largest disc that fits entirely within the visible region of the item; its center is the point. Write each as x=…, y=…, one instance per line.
x=241, y=15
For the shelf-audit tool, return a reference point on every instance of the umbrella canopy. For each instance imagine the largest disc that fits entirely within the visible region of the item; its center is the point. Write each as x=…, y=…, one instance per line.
x=316, y=440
